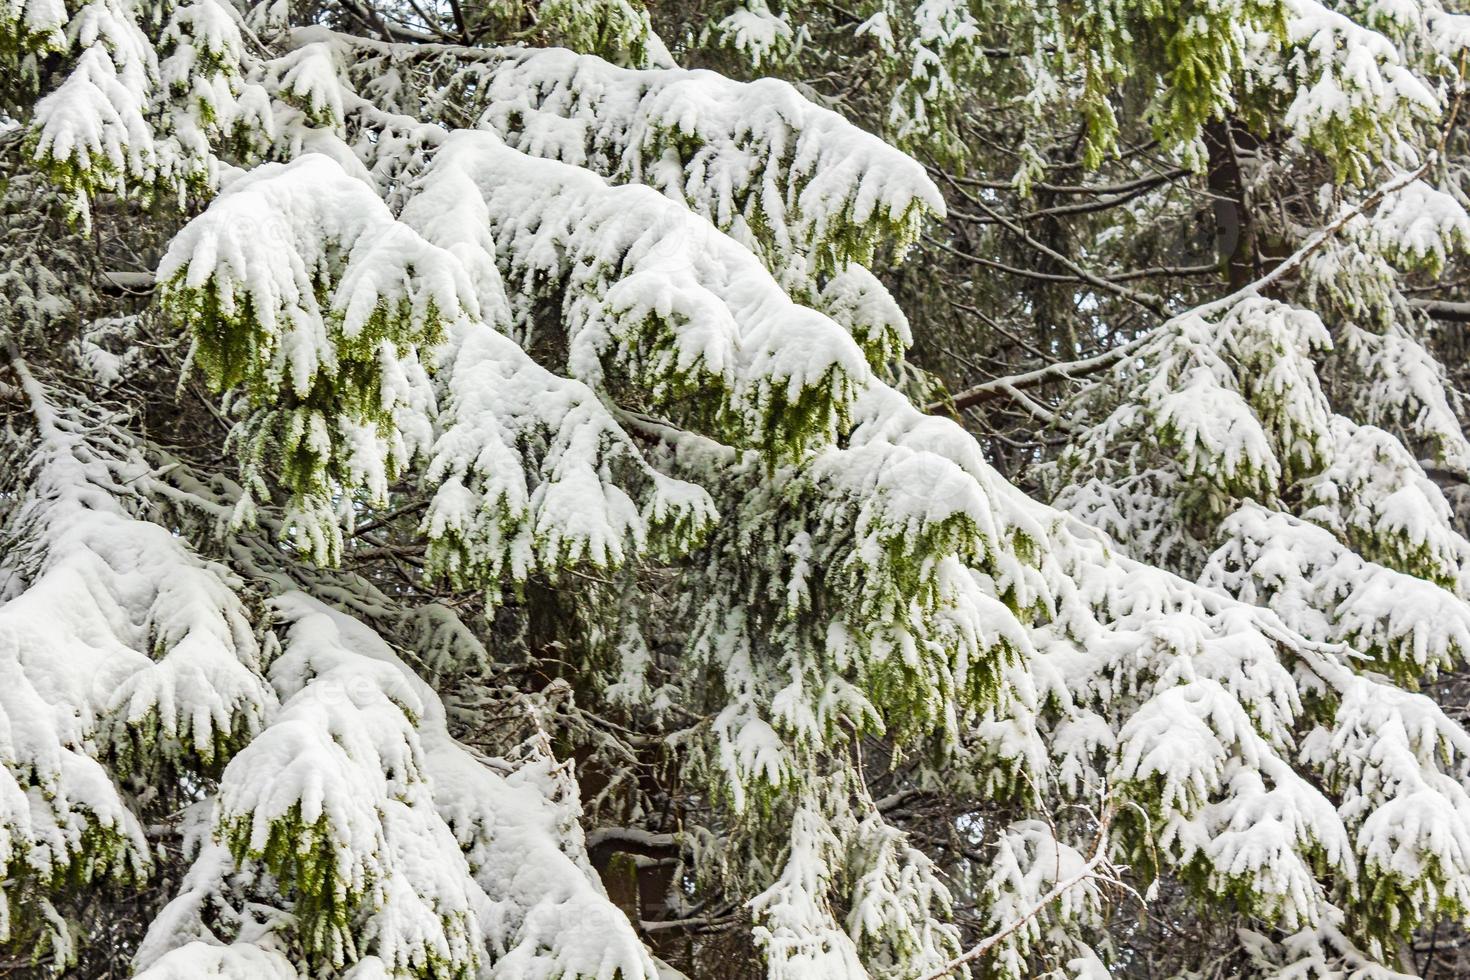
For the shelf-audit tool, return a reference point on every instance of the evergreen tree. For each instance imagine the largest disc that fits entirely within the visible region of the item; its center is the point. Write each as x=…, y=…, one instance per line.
x=469, y=512
x=1277, y=441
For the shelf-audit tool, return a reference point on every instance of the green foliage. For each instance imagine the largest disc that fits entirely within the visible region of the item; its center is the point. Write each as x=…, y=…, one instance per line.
x=298, y=433
x=304, y=859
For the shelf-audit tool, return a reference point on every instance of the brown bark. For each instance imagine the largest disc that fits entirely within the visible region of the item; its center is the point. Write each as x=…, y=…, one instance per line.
x=1233, y=239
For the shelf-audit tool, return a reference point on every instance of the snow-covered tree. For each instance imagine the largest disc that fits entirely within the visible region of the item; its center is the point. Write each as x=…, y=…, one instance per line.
x=1282, y=441
x=468, y=511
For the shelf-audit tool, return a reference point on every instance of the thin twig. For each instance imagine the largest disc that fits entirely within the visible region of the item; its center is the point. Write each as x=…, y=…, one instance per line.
x=1087, y=872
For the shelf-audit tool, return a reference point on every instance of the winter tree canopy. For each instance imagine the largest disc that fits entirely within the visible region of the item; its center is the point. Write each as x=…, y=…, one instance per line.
x=570, y=489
